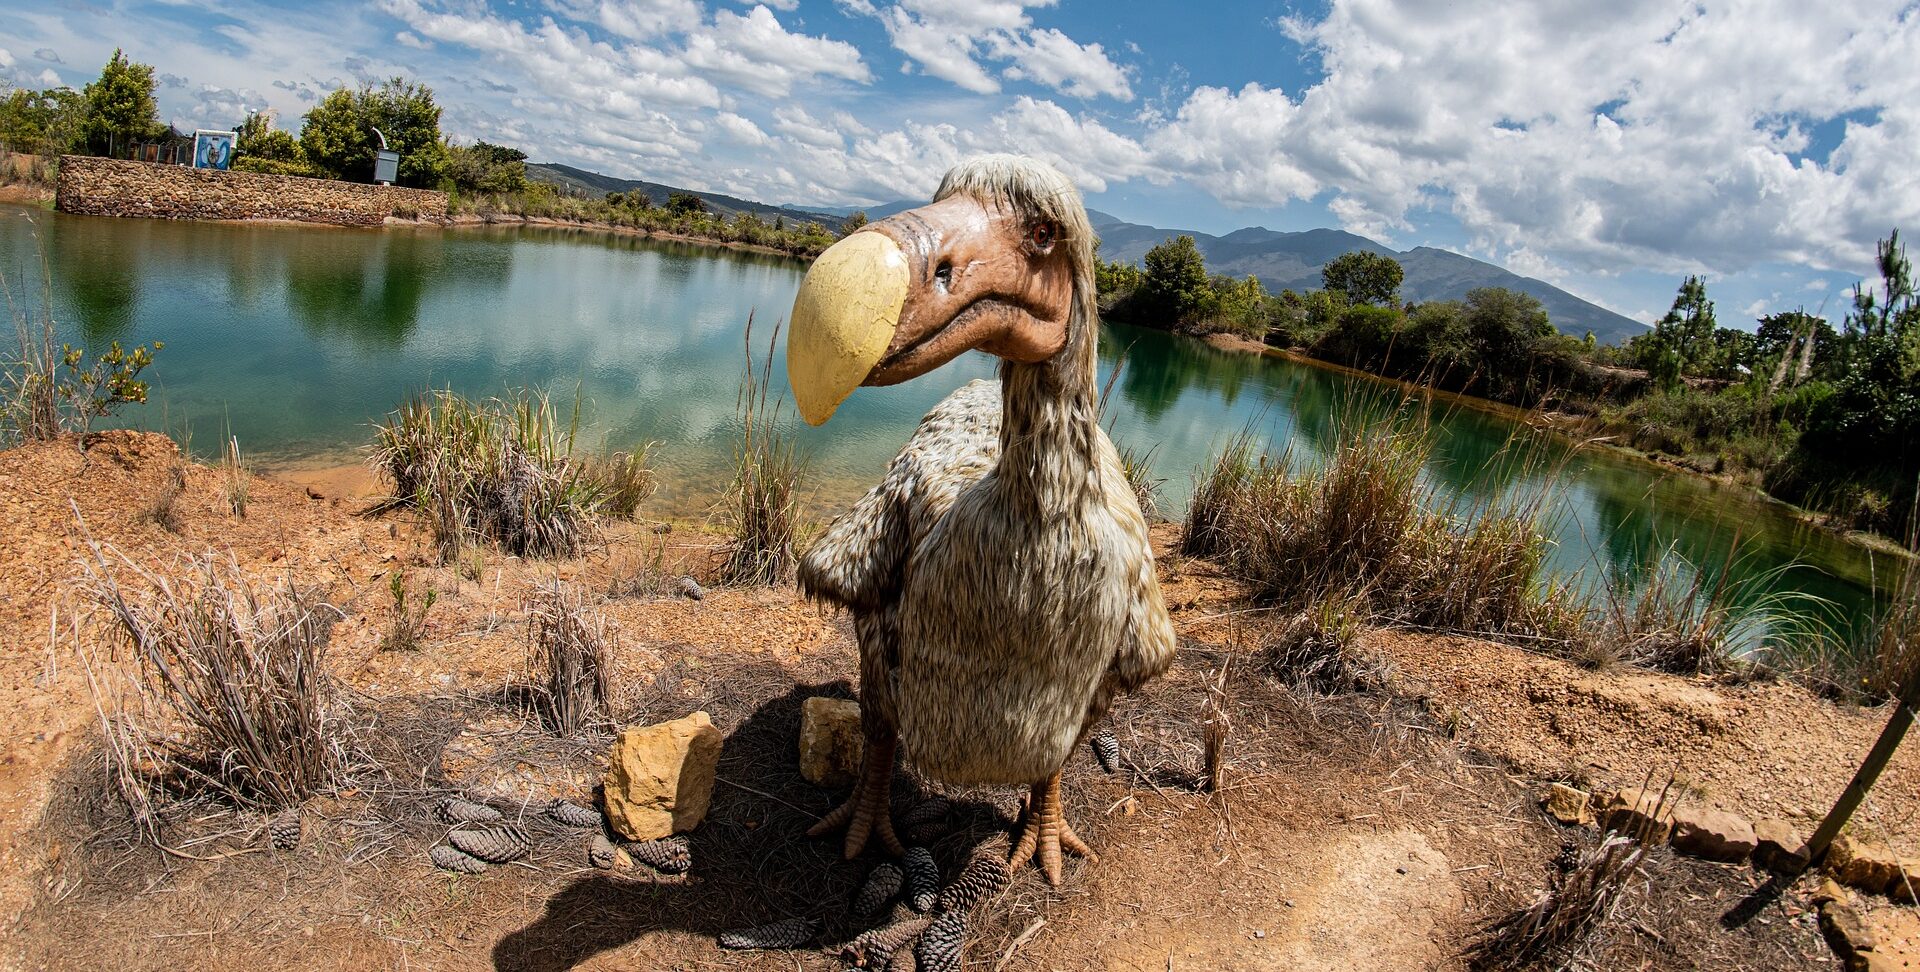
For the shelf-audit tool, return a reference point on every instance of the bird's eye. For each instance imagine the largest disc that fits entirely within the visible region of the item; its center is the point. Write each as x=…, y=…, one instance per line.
x=1042, y=235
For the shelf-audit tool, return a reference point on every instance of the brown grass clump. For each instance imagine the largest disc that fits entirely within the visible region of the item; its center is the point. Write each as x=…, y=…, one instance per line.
x=214, y=686
x=236, y=483
x=501, y=471
x=1560, y=925
x=1365, y=532
x=164, y=511
x=567, y=649
x=761, y=508
x=627, y=478
x=1146, y=488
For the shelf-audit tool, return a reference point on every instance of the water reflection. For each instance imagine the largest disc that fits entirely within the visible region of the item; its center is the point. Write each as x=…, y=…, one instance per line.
x=295, y=338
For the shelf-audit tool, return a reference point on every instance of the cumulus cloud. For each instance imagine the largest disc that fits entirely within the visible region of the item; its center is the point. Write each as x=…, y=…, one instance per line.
x=951, y=40
x=755, y=53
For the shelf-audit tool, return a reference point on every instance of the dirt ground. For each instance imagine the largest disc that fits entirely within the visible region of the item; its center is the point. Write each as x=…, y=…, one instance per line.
x=1372, y=830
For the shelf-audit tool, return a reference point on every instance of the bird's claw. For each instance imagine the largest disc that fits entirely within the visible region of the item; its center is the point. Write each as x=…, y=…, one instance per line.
x=1045, y=833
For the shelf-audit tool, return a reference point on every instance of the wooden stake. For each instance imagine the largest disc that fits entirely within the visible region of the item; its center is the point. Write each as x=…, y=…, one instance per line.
x=1869, y=770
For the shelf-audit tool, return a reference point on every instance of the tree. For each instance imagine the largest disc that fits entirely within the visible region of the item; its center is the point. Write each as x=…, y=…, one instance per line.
x=681, y=204
x=50, y=122
x=260, y=147
x=854, y=222
x=1681, y=343
x=486, y=167
x=1173, y=284
x=339, y=141
x=121, y=105
x=1365, y=277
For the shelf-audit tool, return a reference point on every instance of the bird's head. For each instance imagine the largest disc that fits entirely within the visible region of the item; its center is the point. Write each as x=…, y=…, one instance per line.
x=1001, y=260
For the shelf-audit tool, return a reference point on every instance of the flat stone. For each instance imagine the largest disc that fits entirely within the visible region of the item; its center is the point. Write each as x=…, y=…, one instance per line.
x=1569, y=805
x=1906, y=887
x=1829, y=890
x=1868, y=867
x=1846, y=933
x=660, y=778
x=1636, y=811
x=1713, y=835
x=831, y=741
x=1778, y=846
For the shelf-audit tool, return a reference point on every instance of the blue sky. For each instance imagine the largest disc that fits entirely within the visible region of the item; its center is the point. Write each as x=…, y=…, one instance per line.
x=1608, y=148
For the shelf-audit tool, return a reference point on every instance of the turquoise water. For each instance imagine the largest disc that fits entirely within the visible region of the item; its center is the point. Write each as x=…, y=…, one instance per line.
x=295, y=339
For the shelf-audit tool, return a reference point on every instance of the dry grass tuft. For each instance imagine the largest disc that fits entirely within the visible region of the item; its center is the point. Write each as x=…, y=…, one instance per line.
x=1364, y=533
x=627, y=478
x=1559, y=926
x=567, y=649
x=236, y=483
x=1146, y=488
x=502, y=471
x=761, y=509
x=164, y=511
x=213, y=686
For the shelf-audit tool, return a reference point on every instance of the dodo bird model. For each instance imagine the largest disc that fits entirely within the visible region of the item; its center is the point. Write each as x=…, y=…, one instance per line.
x=999, y=577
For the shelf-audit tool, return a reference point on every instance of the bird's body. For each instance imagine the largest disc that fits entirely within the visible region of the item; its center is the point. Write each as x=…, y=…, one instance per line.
x=998, y=611
x=1000, y=575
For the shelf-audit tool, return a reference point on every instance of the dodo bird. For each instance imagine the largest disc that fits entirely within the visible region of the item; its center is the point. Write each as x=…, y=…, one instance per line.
x=999, y=577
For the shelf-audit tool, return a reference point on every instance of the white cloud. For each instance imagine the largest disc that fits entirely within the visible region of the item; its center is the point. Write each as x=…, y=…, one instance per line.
x=755, y=53
x=633, y=19
x=741, y=130
x=6, y=58
x=949, y=41
x=794, y=122
x=408, y=38
x=1817, y=285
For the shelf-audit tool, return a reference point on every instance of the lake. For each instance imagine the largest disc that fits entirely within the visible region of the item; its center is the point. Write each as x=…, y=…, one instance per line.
x=295, y=339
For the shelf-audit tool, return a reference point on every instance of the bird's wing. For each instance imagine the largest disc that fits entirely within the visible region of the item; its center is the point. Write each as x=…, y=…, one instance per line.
x=1147, y=640
x=860, y=561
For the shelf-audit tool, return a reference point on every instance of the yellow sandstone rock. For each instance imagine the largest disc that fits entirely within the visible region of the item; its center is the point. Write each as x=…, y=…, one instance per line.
x=831, y=743
x=660, y=777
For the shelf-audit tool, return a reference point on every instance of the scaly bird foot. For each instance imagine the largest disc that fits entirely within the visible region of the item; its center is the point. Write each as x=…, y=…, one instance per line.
x=1044, y=833
x=866, y=813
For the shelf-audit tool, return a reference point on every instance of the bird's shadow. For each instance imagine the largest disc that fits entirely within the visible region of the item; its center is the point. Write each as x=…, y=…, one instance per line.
x=753, y=862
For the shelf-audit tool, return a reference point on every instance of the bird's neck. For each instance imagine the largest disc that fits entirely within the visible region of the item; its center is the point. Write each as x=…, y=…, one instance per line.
x=1049, y=433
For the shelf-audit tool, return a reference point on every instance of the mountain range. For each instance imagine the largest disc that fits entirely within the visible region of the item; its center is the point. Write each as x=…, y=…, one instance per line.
x=1282, y=260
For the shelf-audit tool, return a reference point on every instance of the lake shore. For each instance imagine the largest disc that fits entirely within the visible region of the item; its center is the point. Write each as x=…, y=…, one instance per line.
x=1407, y=810
x=476, y=220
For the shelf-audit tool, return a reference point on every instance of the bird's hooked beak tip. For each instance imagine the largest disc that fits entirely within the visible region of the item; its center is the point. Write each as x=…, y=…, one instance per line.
x=843, y=320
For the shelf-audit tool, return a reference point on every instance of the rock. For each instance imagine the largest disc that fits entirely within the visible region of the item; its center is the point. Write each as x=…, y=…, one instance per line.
x=1864, y=866
x=1569, y=805
x=1637, y=812
x=1846, y=933
x=1906, y=886
x=831, y=742
x=1829, y=890
x=1778, y=846
x=1715, y=835
x=660, y=778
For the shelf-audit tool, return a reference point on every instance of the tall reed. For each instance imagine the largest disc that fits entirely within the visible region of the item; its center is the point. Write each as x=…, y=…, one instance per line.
x=761, y=509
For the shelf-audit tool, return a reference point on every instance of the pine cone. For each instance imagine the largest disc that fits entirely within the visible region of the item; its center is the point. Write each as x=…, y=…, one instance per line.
x=495, y=845
x=601, y=852
x=790, y=933
x=940, y=944
x=927, y=811
x=883, y=882
x=1106, y=749
x=903, y=961
x=668, y=855
x=982, y=878
x=454, y=859
x=923, y=878
x=455, y=810
x=573, y=814
x=929, y=832
x=283, y=831
x=875, y=949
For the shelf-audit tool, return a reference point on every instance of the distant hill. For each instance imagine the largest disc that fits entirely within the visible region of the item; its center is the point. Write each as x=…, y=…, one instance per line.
x=1293, y=261
x=596, y=185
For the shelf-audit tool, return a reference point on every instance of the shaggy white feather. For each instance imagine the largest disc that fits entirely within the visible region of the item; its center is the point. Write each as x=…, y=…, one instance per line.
x=1000, y=575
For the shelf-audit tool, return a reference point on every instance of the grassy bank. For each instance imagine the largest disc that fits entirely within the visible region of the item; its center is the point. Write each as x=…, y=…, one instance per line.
x=540, y=202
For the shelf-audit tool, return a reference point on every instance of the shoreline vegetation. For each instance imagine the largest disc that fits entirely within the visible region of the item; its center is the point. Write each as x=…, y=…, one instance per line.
x=1818, y=417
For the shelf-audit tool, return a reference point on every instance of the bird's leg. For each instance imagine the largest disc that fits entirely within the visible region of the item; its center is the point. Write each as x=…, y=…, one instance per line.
x=1044, y=832
x=867, y=812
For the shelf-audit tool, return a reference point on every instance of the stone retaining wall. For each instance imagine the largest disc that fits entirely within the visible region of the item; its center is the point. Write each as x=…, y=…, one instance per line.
x=110, y=187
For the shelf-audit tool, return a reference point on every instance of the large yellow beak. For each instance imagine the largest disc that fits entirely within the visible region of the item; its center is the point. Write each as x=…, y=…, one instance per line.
x=843, y=319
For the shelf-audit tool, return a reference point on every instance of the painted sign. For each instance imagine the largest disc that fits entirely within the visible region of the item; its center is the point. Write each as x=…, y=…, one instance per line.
x=212, y=149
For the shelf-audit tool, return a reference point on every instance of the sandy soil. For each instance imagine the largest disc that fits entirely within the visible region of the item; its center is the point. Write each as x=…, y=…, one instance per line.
x=1362, y=831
